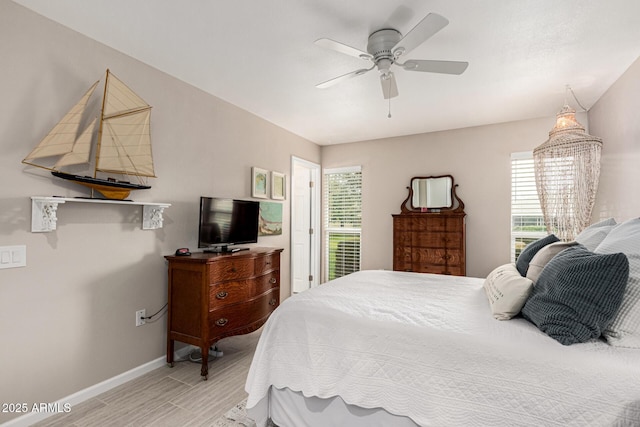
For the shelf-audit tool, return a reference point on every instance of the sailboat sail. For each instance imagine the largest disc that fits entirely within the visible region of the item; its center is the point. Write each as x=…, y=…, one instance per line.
x=126, y=136
x=62, y=138
x=81, y=150
x=123, y=141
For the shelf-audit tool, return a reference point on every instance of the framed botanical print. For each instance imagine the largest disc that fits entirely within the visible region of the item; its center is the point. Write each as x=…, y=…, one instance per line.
x=277, y=186
x=259, y=182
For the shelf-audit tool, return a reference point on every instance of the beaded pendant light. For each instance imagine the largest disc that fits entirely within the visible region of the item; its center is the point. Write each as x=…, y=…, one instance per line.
x=567, y=168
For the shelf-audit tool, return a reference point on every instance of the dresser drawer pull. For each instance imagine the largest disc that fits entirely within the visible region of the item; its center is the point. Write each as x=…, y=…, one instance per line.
x=273, y=302
x=273, y=280
x=222, y=321
x=233, y=270
x=222, y=294
x=267, y=263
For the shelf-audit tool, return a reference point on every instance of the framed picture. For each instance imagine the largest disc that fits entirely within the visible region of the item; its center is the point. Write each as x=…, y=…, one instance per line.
x=259, y=182
x=277, y=186
x=270, y=220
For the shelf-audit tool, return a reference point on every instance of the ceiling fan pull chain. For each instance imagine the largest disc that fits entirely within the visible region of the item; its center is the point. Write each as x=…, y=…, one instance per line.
x=389, y=115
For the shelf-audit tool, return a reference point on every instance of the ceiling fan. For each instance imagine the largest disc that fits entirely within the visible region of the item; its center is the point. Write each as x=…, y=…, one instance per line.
x=387, y=46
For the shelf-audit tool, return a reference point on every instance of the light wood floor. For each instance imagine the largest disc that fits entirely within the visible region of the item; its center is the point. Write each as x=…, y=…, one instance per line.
x=171, y=396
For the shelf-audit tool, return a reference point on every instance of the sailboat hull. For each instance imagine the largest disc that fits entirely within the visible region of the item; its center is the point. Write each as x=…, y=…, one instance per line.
x=116, y=190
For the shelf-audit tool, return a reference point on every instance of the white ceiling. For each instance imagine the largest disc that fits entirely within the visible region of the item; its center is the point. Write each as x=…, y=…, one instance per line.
x=260, y=55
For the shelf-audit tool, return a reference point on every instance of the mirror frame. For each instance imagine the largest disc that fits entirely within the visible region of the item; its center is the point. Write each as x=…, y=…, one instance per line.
x=407, y=204
x=444, y=182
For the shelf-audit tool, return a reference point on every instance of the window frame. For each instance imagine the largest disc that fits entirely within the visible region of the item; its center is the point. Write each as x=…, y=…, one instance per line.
x=347, y=231
x=526, y=211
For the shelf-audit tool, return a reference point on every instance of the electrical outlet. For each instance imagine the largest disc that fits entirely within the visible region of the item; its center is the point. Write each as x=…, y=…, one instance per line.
x=140, y=315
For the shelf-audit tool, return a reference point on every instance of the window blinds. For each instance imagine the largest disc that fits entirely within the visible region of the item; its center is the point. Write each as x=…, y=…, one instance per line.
x=342, y=213
x=527, y=221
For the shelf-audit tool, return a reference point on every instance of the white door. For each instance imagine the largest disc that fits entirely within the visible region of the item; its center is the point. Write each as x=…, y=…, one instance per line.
x=305, y=224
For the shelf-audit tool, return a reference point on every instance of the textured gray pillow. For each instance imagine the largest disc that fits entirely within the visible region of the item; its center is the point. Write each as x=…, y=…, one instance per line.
x=577, y=294
x=624, y=330
x=527, y=254
x=594, y=234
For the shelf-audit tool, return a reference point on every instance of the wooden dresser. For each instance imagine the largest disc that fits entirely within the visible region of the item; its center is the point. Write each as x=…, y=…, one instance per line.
x=429, y=242
x=212, y=296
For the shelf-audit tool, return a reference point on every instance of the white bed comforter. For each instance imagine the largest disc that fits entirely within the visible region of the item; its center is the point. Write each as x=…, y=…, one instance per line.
x=426, y=346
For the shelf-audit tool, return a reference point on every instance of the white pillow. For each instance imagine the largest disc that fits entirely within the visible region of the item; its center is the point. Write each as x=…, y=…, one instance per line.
x=543, y=256
x=507, y=291
x=624, y=330
x=594, y=234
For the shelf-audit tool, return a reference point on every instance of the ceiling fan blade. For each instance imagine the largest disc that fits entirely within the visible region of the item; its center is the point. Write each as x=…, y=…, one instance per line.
x=343, y=77
x=389, y=86
x=430, y=24
x=429, y=66
x=342, y=48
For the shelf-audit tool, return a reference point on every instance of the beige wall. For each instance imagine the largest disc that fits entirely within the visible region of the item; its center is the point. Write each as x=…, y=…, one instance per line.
x=67, y=318
x=479, y=159
x=614, y=118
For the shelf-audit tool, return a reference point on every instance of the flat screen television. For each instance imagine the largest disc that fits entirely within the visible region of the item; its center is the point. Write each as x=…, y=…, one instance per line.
x=225, y=223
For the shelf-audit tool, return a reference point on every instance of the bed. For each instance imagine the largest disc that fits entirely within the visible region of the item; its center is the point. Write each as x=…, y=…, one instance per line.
x=389, y=348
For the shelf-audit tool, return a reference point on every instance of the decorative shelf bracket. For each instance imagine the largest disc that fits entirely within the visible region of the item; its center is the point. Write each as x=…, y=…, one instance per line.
x=152, y=216
x=44, y=211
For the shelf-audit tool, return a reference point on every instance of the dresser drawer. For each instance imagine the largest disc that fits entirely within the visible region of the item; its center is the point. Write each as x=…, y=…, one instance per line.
x=422, y=256
x=402, y=258
x=437, y=223
x=267, y=263
x=437, y=240
x=235, y=316
x=429, y=223
x=438, y=269
x=231, y=269
x=402, y=238
x=234, y=291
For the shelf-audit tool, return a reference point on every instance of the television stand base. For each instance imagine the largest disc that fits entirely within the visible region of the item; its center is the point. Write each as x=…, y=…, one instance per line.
x=226, y=249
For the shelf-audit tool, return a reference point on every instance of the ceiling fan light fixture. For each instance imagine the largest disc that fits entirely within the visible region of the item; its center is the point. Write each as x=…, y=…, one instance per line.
x=384, y=65
x=387, y=45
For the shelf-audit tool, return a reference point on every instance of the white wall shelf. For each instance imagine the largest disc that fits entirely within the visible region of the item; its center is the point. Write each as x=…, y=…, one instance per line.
x=44, y=211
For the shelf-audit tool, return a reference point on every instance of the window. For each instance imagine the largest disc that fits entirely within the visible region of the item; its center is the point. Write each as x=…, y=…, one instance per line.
x=527, y=221
x=342, y=221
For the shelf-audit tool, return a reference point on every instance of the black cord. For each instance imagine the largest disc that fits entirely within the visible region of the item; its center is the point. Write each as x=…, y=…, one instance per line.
x=156, y=313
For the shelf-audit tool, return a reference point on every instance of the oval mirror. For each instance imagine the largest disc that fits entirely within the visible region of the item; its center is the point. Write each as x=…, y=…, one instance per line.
x=432, y=192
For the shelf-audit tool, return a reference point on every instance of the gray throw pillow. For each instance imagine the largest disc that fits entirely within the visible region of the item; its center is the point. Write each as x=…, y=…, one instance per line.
x=624, y=330
x=577, y=294
x=527, y=254
x=594, y=234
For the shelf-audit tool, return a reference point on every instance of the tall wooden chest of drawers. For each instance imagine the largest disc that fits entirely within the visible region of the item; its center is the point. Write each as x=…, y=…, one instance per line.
x=429, y=242
x=212, y=296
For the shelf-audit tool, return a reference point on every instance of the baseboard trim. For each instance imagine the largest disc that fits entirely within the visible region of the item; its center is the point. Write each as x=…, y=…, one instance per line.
x=94, y=390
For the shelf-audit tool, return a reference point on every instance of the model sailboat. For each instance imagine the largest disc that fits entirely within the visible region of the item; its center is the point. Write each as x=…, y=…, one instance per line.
x=122, y=143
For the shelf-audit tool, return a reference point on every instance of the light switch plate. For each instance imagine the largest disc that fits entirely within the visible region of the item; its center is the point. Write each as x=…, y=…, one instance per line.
x=13, y=256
